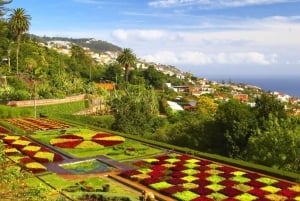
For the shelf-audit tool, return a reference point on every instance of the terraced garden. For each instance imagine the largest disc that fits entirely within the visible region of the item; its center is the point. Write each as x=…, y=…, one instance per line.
x=85, y=164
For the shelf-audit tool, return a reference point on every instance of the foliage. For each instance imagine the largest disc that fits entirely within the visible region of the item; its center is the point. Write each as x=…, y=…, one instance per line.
x=19, y=23
x=9, y=112
x=61, y=109
x=236, y=123
x=127, y=59
x=13, y=182
x=135, y=110
x=275, y=146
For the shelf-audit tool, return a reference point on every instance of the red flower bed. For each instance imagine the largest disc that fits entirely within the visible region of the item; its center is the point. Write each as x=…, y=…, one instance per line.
x=102, y=135
x=178, y=174
x=202, y=198
x=288, y=193
x=282, y=184
x=202, y=190
x=228, y=183
x=156, y=174
x=202, y=168
x=258, y=192
x=107, y=143
x=129, y=173
x=171, y=190
x=231, y=192
x=69, y=144
x=26, y=159
x=176, y=181
x=158, y=168
x=3, y=130
x=255, y=184
x=179, y=167
x=149, y=181
x=204, y=162
x=201, y=182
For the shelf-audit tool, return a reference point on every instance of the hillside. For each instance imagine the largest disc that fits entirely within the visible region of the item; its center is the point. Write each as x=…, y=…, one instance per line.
x=94, y=45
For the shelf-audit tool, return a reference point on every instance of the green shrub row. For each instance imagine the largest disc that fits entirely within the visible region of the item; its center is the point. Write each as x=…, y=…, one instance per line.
x=82, y=120
x=15, y=112
x=100, y=197
x=60, y=109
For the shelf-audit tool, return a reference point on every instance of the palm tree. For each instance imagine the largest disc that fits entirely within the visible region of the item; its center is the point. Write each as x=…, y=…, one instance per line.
x=127, y=59
x=19, y=23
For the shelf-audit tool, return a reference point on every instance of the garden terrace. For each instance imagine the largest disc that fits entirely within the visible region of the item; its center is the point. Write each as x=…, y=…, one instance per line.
x=31, y=124
x=184, y=177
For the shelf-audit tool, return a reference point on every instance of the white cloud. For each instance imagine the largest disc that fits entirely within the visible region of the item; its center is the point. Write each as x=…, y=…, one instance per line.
x=204, y=4
x=144, y=35
x=200, y=58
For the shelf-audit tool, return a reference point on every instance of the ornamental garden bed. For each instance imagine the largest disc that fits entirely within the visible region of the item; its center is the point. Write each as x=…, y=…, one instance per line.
x=86, y=143
x=191, y=179
x=34, y=124
x=29, y=155
x=76, y=188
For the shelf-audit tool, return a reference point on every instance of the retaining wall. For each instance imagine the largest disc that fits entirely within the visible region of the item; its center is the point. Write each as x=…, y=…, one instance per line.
x=27, y=103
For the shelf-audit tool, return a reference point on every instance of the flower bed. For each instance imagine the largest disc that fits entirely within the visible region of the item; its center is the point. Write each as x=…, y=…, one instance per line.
x=31, y=149
x=193, y=179
x=31, y=124
x=98, y=140
x=3, y=130
x=24, y=161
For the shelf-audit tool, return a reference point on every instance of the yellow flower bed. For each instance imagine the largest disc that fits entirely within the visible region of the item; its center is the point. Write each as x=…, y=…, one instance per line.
x=46, y=155
x=31, y=148
x=89, y=144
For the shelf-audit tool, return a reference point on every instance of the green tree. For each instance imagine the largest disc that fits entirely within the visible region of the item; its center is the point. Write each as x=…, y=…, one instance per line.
x=113, y=73
x=267, y=105
x=154, y=78
x=19, y=23
x=135, y=110
x=277, y=146
x=236, y=123
x=2, y=9
x=206, y=106
x=127, y=59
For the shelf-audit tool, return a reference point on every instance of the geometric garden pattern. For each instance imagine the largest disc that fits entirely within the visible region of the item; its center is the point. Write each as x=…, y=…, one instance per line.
x=34, y=124
x=179, y=176
x=187, y=178
x=27, y=153
x=98, y=140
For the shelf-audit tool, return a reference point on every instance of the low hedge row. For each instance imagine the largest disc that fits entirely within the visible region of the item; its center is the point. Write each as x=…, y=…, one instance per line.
x=100, y=197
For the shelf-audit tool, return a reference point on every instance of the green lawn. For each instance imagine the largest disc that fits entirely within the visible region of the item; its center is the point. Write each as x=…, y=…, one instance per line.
x=76, y=187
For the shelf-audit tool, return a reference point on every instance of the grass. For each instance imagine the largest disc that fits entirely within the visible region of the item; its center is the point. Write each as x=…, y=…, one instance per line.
x=88, y=166
x=127, y=150
x=95, y=182
x=61, y=109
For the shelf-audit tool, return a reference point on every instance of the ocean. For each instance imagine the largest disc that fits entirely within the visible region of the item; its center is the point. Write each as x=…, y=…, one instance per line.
x=289, y=85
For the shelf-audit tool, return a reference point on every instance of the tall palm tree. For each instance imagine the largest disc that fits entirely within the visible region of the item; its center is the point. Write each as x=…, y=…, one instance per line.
x=127, y=59
x=19, y=23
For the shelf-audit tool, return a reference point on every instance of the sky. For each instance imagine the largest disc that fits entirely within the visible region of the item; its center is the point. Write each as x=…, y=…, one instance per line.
x=203, y=37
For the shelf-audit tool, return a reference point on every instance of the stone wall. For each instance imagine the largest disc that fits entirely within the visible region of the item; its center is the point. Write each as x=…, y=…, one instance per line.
x=27, y=103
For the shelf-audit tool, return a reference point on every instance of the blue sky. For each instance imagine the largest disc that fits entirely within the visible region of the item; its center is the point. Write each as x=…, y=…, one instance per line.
x=204, y=37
